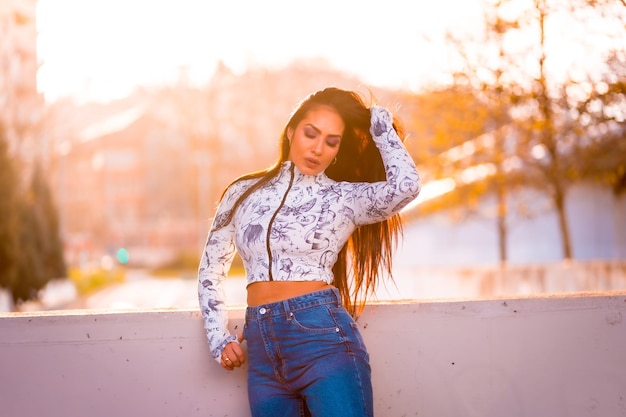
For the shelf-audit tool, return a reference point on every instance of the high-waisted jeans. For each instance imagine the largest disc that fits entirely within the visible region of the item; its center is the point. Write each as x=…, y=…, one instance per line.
x=307, y=358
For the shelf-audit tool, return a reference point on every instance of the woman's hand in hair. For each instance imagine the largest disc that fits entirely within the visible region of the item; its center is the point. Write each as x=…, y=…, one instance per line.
x=381, y=121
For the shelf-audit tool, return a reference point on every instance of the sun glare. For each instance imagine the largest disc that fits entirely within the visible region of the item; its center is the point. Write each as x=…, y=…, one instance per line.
x=102, y=49
x=430, y=190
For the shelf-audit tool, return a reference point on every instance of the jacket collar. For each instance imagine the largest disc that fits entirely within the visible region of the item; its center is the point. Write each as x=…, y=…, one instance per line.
x=300, y=177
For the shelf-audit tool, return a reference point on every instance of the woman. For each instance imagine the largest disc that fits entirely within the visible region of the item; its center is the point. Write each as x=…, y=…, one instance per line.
x=314, y=232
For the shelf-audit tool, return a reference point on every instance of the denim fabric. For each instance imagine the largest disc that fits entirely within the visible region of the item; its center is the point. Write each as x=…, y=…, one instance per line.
x=307, y=358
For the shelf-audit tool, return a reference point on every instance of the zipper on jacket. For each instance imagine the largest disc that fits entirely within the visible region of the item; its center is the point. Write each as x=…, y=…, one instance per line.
x=269, y=225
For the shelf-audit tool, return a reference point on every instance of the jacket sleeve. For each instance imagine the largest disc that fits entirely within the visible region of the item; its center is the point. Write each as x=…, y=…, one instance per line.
x=217, y=257
x=374, y=202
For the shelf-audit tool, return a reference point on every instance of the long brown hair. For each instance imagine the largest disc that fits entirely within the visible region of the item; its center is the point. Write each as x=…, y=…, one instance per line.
x=369, y=251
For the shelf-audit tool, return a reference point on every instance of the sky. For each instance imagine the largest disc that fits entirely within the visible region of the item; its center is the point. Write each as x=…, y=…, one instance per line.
x=103, y=49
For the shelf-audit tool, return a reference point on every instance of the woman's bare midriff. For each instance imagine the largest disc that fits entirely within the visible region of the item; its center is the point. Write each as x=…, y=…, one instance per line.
x=271, y=291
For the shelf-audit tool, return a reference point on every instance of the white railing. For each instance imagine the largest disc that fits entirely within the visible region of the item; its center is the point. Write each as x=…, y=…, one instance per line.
x=550, y=356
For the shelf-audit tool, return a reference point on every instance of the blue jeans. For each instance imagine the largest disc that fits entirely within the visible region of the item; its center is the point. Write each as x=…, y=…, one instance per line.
x=307, y=358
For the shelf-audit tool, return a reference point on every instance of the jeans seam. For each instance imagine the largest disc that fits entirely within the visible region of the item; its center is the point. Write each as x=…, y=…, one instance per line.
x=358, y=377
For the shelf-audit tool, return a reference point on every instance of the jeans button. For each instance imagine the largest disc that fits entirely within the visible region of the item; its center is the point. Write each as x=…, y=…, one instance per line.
x=262, y=310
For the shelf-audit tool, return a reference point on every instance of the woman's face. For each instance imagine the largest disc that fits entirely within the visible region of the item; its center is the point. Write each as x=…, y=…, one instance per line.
x=315, y=140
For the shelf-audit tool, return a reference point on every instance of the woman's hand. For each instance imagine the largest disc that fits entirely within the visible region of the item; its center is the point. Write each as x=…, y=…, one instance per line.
x=381, y=121
x=233, y=355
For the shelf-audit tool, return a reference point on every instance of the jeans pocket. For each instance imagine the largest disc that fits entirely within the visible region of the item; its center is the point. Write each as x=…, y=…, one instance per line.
x=315, y=320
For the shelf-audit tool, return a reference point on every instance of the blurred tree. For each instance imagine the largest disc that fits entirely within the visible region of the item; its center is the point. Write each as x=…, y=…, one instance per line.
x=447, y=122
x=469, y=128
x=9, y=184
x=40, y=249
x=542, y=130
x=558, y=142
x=602, y=116
x=496, y=91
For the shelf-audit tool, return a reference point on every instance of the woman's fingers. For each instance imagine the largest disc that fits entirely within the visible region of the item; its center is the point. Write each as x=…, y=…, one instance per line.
x=227, y=363
x=233, y=356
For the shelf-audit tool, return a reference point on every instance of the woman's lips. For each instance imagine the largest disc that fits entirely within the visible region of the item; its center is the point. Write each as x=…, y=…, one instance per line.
x=311, y=163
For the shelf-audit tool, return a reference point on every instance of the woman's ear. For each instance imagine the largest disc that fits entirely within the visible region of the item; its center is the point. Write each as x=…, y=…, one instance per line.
x=289, y=134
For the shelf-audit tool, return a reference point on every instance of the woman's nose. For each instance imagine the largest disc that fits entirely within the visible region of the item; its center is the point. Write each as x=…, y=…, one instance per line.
x=317, y=149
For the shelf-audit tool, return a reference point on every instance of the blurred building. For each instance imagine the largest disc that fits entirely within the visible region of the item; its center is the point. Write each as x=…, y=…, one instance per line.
x=21, y=106
x=145, y=173
x=126, y=182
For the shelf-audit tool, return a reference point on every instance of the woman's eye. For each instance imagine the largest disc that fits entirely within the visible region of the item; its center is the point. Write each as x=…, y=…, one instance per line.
x=332, y=143
x=309, y=133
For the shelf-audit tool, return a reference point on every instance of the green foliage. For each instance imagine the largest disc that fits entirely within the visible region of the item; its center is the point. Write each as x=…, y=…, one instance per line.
x=31, y=252
x=40, y=256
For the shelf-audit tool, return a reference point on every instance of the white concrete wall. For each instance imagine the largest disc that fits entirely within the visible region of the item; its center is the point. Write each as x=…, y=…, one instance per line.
x=557, y=357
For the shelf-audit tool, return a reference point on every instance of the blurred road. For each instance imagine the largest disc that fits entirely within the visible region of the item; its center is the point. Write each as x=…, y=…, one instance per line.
x=143, y=291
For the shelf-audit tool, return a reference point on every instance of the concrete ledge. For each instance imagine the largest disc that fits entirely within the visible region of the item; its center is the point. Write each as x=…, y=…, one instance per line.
x=552, y=356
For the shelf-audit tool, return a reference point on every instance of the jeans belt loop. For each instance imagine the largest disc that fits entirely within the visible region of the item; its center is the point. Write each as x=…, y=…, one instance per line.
x=287, y=308
x=337, y=297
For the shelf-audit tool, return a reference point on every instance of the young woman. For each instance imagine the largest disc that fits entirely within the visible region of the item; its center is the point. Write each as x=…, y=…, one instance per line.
x=314, y=231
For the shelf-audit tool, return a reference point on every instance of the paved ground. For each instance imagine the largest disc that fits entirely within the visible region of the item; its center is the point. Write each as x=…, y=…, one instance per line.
x=159, y=293
x=170, y=293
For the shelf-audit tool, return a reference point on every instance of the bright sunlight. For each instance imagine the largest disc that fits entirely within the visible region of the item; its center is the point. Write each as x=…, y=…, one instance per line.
x=103, y=49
